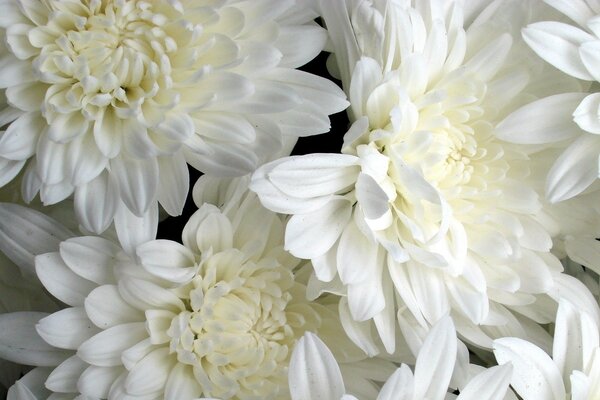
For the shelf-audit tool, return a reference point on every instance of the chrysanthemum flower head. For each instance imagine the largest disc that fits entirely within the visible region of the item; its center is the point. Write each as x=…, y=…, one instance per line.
x=426, y=203
x=216, y=316
x=110, y=99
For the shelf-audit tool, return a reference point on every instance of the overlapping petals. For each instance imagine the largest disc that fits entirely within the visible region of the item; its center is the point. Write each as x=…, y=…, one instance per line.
x=111, y=100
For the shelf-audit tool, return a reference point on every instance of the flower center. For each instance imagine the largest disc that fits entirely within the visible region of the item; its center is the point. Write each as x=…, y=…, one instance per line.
x=105, y=54
x=235, y=333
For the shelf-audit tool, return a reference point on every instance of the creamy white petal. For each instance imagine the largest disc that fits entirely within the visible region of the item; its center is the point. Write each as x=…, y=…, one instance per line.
x=146, y=295
x=133, y=230
x=586, y=115
x=356, y=255
x=106, y=308
x=436, y=361
x=314, y=373
x=574, y=170
x=490, y=384
x=358, y=332
x=181, y=384
x=96, y=203
x=20, y=343
x=547, y=120
x=312, y=235
x=31, y=386
x=97, y=381
x=59, y=280
x=66, y=329
x=534, y=375
x=399, y=386
x=138, y=182
x=584, y=251
x=19, y=141
x=90, y=257
x=26, y=233
x=167, y=260
x=151, y=373
x=105, y=348
x=63, y=378
x=558, y=43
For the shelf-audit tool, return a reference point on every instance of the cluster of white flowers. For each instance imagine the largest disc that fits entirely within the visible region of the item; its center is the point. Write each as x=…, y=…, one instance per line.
x=449, y=248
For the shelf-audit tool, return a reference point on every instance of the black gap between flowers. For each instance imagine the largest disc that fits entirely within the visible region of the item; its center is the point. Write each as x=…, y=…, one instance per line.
x=331, y=142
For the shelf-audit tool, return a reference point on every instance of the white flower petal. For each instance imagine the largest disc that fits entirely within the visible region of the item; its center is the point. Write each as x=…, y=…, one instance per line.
x=9, y=169
x=577, y=10
x=588, y=52
x=105, y=348
x=19, y=141
x=435, y=362
x=133, y=230
x=574, y=170
x=151, y=373
x=356, y=255
x=66, y=127
x=224, y=159
x=490, y=384
x=14, y=71
x=325, y=266
x=534, y=375
x=366, y=298
x=182, y=384
x=85, y=162
x=399, y=386
x=358, y=332
x=90, y=257
x=312, y=235
x=96, y=381
x=105, y=308
x=96, y=203
x=20, y=343
x=547, y=120
x=63, y=283
x=64, y=377
x=145, y=295
x=587, y=114
x=366, y=76
x=25, y=233
x=558, y=43
x=314, y=373
x=215, y=232
x=167, y=260
x=31, y=386
x=66, y=329
x=574, y=291
x=584, y=251
x=138, y=182
x=299, y=44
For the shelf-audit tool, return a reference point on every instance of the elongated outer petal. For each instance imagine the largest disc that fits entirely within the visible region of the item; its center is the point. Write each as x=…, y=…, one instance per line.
x=20, y=342
x=96, y=203
x=575, y=338
x=19, y=141
x=586, y=115
x=174, y=183
x=576, y=293
x=67, y=328
x=535, y=376
x=90, y=257
x=60, y=281
x=313, y=371
x=133, y=230
x=31, y=386
x=150, y=374
x=435, y=361
x=358, y=332
x=399, y=386
x=105, y=348
x=558, y=43
x=547, y=120
x=25, y=233
x=312, y=235
x=490, y=384
x=97, y=381
x=138, y=182
x=574, y=170
x=314, y=175
x=106, y=308
x=64, y=377
x=182, y=384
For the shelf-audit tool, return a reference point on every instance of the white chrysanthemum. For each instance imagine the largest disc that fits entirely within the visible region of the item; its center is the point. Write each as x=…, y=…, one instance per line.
x=575, y=51
x=109, y=99
x=216, y=317
x=426, y=199
x=314, y=373
x=573, y=372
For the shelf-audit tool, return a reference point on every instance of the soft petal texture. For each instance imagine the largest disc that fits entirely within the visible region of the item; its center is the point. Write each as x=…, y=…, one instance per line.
x=63, y=283
x=574, y=170
x=19, y=341
x=535, y=375
x=490, y=384
x=26, y=233
x=314, y=373
x=66, y=329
